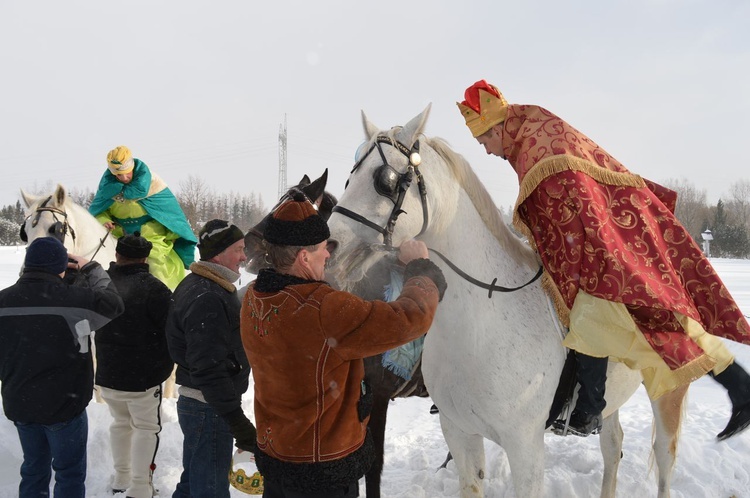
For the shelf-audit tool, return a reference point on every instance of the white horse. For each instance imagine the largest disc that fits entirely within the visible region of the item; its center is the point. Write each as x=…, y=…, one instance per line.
x=492, y=364
x=81, y=233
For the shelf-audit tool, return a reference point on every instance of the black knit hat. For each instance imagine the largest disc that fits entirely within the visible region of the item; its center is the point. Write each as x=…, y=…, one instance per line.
x=296, y=223
x=216, y=236
x=46, y=254
x=133, y=246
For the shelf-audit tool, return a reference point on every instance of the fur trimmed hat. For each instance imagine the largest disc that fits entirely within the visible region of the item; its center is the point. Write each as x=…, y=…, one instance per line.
x=216, y=236
x=133, y=246
x=120, y=160
x=46, y=254
x=296, y=223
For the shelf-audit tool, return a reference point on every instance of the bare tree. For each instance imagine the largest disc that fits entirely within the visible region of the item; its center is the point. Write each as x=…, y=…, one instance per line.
x=738, y=206
x=691, y=209
x=193, y=195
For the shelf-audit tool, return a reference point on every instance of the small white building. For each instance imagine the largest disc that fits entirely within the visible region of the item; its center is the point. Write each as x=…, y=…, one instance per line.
x=707, y=238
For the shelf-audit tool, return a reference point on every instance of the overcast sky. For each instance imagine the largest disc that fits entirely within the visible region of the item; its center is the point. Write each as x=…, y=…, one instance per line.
x=202, y=87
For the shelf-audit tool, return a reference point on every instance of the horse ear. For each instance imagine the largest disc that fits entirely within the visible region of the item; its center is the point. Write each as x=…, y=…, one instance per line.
x=305, y=181
x=316, y=189
x=28, y=199
x=370, y=129
x=60, y=195
x=414, y=127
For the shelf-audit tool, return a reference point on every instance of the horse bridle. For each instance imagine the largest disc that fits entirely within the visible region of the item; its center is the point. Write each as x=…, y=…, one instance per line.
x=59, y=229
x=392, y=185
x=389, y=183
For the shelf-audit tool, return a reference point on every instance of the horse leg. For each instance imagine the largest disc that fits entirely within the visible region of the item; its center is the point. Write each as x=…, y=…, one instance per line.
x=376, y=425
x=468, y=453
x=667, y=419
x=610, y=442
x=525, y=450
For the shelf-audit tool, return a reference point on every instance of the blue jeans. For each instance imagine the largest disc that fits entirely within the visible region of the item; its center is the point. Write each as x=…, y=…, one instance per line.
x=61, y=447
x=206, y=451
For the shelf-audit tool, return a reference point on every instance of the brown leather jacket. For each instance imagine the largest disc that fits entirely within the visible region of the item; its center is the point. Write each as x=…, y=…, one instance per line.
x=305, y=342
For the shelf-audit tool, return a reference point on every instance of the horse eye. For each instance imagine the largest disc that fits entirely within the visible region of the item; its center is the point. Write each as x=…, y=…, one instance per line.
x=386, y=181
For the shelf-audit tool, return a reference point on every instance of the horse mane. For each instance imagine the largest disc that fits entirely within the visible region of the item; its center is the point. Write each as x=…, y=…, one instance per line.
x=462, y=171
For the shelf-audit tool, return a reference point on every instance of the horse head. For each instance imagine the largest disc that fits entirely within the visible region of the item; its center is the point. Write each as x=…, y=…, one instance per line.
x=314, y=191
x=397, y=190
x=56, y=215
x=46, y=216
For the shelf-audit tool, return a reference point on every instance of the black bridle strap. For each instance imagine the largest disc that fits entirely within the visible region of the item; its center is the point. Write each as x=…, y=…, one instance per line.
x=491, y=287
x=404, y=184
x=358, y=217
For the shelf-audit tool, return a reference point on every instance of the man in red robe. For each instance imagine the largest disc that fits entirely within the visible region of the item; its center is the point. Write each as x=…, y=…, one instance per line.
x=627, y=278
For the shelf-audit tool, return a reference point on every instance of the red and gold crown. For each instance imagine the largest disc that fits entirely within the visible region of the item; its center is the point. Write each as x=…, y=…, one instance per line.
x=483, y=108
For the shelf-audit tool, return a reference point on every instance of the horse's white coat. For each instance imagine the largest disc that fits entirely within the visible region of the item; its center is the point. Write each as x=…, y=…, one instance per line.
x=490, y=365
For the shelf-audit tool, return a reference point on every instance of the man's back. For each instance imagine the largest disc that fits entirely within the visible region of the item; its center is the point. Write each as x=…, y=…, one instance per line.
x=45, y=362
x=131, y=351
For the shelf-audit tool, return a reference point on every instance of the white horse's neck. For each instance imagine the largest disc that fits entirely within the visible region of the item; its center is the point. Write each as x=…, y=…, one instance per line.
x=92, y=239
x=465, y=215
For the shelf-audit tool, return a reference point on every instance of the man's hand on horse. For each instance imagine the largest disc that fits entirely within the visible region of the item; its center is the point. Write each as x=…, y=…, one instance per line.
x=411, y=250
x=76, y=262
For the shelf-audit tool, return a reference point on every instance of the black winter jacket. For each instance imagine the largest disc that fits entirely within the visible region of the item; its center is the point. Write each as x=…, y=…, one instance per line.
x=131, y=350
x=203, y=333
x=46, y=368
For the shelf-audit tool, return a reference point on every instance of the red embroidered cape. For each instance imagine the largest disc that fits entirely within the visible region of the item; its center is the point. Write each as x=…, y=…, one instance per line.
x=612, y=234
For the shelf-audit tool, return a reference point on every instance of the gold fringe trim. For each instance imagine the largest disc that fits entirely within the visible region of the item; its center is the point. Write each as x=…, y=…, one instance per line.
x=205, y=272
x=556, y=164
x=694, y=370
x=543, y=170
x=563, y=313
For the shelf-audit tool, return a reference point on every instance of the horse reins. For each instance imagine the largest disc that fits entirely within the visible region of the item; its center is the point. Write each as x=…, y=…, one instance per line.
x=404, y=182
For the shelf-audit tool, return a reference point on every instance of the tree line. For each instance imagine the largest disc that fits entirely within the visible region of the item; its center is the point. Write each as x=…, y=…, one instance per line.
x=198, y=202
x=728, y=220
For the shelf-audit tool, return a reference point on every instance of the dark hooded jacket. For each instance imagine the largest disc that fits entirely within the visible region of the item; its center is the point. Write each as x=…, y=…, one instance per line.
x=46, y=368
x=131, y=350
x=203, y=334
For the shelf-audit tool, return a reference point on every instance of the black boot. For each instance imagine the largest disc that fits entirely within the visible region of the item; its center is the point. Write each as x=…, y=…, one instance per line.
x=737, y=383
x=587, y=417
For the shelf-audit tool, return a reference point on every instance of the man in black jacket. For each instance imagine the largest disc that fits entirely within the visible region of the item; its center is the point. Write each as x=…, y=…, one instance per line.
x=46, y=368
x=203, y=333
x=132, y=360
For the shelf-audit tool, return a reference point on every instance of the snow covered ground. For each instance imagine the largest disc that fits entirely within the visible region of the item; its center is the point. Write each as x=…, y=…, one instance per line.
x=415, y=446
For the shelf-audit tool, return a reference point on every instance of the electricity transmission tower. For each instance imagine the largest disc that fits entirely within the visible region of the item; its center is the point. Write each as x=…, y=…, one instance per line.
x=282, y=158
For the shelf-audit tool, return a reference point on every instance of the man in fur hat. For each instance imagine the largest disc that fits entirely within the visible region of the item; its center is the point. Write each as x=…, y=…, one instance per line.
x=203, y=333
x=306, y=343
x=627, y=278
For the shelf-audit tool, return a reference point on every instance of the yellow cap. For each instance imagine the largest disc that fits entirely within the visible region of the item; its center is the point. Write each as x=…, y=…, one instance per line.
x=120, y=160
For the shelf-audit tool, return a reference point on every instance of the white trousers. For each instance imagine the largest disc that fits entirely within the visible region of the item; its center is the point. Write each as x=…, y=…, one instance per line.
x=134, y=438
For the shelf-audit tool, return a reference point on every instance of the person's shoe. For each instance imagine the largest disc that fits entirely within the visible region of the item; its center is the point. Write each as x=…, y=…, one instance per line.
x=739, y=421
x=737, y=383
x=581, y=424
x=434, y=409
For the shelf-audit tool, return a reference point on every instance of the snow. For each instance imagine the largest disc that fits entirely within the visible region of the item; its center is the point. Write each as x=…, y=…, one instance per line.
x=415, y=447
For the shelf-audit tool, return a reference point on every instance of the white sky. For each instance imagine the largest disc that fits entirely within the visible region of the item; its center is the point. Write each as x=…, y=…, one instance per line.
x=201, y=88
